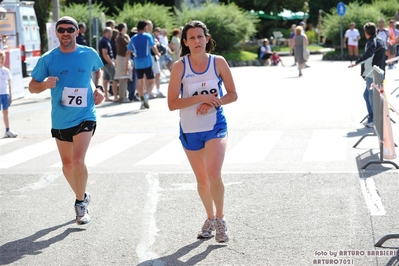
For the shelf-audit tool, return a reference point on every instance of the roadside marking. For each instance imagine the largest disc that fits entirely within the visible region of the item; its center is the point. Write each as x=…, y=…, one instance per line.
x=326, y=146
x=254, y=147
x=172, y=153
x=149, y=228
x=371, y=196
x=5, y=141
x=105, y=150
x=27, y=153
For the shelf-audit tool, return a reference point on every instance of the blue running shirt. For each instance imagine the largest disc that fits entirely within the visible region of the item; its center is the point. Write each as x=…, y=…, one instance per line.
x=72, y=99
x=141, y=44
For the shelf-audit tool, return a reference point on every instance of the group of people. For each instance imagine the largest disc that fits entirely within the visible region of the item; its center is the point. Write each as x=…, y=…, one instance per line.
x=134, y=62
x=389, y=35
x=72, y=73
x=298, y=43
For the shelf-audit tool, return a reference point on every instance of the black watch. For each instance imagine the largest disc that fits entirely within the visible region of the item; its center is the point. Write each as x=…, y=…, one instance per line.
x=100, y=87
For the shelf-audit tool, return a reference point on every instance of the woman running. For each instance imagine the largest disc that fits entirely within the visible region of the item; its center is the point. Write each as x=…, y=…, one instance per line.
x=195, y=88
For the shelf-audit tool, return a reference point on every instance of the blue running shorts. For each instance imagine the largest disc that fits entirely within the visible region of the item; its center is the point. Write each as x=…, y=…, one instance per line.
x=4, y=101
x=196, y=141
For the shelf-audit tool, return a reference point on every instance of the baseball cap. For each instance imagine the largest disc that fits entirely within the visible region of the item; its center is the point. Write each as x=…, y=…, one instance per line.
x=67, y=20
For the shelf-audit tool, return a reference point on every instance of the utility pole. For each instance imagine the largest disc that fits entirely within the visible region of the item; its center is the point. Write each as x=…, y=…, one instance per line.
x=56, y=10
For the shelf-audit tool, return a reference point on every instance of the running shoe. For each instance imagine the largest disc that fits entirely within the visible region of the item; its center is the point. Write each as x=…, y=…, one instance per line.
x=144, y=100
x=82, y=213
x=206, y=230
x=10, y=134
x=87, y=199
x=221, y=231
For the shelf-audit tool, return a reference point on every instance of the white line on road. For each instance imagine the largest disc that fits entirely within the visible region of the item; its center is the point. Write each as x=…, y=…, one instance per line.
x=27, y=153
x=373, y=199
x=254, y=147
x=171, y=153
x=107, y=149
x=149, y=228
x=326, y=146
x=7, y=140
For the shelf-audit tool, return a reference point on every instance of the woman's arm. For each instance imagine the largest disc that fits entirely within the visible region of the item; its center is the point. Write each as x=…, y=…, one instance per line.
x=175, y=102
x=225, y=73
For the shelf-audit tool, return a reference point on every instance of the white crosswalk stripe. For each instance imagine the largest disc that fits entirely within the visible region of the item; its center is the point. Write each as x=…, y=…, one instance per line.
x=327, y=145
x=5, y=141
x=109, y=148
x=172, y=153
x=27, y=153
x=254, y=147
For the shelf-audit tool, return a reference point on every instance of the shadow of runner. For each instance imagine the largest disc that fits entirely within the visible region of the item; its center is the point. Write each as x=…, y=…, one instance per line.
x=173, y=259
x=16, y=250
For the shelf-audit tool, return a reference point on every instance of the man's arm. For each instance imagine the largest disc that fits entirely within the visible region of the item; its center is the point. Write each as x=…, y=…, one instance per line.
x=104, y=52
x=38, y=87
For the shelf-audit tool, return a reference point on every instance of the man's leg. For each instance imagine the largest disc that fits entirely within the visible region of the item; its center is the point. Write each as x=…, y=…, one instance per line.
x=368, y=97
x=73, y=162
x=105, y=86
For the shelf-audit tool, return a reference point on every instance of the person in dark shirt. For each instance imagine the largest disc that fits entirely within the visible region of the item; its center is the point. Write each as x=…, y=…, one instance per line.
x=374, y=55
x=108, y=58
x=80, y=39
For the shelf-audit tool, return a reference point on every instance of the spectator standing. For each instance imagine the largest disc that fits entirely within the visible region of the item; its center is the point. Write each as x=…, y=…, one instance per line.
x=292, y=36
x=383, y=33
x=353, y=37
x=396, y=17
x=5, y=94
x=374, y=55
x=300, y=43
x=203, y=126
x=392, y=42
x=141, y=44
x=166, y=59
x=66, y=71
x=110, y=23
x=107, y=57
x=132, y=83
x=174, y=44
x=123, y=65
x=156, y=67
x=81, y=39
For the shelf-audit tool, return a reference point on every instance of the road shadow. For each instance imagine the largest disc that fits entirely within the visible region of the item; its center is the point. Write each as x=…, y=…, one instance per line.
x=15, y=250
x=372, y=169
x=133, y=112
x=173, y=259
x=359, y=132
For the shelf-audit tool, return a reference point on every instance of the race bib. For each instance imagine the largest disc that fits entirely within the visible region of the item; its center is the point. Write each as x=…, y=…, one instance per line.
x=206, y=87
x=74, y=97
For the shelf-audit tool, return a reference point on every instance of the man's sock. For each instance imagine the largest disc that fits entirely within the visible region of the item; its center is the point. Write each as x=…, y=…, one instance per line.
x=7, y=129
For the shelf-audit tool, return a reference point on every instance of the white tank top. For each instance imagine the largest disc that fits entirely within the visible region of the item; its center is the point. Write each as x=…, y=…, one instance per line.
x=193, y=84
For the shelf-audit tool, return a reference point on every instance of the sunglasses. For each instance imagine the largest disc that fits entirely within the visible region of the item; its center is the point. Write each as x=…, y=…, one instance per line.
x=69, y=30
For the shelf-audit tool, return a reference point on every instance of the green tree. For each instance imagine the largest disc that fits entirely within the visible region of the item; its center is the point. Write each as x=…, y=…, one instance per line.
x=81, y=13
x=42, y=11
x=228, y=24
x=160, y=15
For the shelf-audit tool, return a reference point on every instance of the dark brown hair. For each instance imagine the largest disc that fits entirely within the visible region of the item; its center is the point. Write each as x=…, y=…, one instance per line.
x=210, y=46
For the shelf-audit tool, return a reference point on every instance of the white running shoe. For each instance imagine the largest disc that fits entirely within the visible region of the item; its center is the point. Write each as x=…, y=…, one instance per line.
x=221, y=231
x=206, y=230
x=82, y=213
x=10, y=134
x=369, y=125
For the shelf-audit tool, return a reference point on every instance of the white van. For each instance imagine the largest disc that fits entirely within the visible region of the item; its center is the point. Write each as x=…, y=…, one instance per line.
x=21, y=20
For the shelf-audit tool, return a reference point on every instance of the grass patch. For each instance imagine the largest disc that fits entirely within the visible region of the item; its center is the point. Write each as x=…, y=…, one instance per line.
x=240, y=56
x=312, y=48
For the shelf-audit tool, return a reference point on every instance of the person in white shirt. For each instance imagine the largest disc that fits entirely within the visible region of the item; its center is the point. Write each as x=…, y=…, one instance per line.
x=353, y=37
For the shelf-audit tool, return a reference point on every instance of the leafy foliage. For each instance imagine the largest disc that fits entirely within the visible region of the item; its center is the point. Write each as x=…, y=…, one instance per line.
x=160, y=15
x=228, y=24
x=387, y=8
x=360, y=14
x=81, y=13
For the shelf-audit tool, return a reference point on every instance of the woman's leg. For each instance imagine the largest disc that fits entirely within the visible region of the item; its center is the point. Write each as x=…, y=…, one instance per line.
x=197, y=162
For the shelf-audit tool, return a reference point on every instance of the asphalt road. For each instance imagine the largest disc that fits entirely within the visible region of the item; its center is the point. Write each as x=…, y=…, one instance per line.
x=295, y=194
